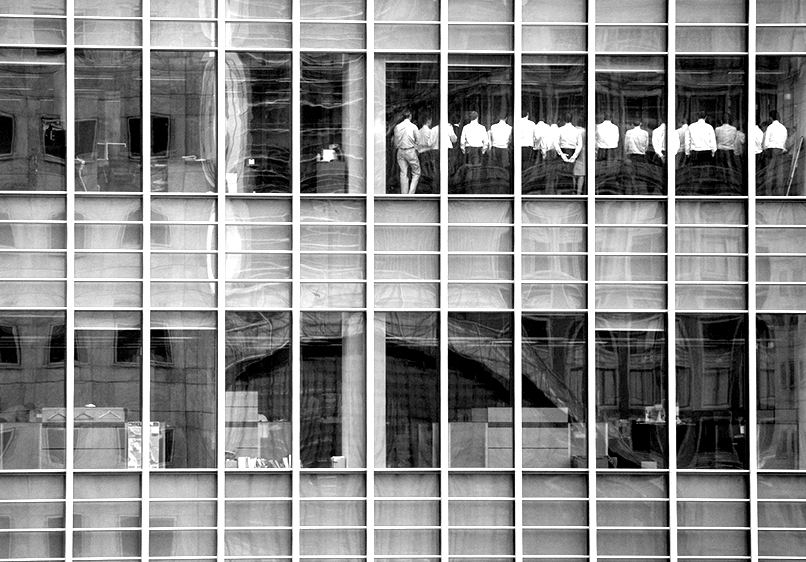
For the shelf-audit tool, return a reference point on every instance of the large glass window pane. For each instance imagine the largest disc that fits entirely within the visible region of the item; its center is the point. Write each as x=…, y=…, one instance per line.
x=408, y=124
x=183, y=389
x=711, y=391
x=781, y=391
x=711, y=102
x=183, y=121
x=480, y=105
x=108, y=127
x=480, y=389
x=258, y=122
x=631, y=125
x=554, y=391
x=631, y=11
x=108, y=431
x=631, y=398
x=333, y=399
x=32, y=363
x=777, y=144
x=407, y=390
x=258, y=389
x=553, y=88
x=32, y=120
x=333, y=123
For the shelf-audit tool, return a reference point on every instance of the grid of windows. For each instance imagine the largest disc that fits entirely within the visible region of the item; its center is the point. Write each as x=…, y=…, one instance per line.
x=402, y=280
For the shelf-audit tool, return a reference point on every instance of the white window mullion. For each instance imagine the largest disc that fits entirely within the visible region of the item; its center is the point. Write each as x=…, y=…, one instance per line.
x=296, y=363
x=517, y=339
x=751, y=434
x=444, y=429
x=591, y=276
x=145, y=151
x=69, y=322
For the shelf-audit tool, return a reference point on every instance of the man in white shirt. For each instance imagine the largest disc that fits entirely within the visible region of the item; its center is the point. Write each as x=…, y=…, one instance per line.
x=659, y=141
x=700, y=141
x=500, y=143
x=526, y=131
x=405, y=141
x=568, y=146
x=774, y=145
x=636, y=142
x=428, y=151
x=726, y=153
x=474, y=140
x=607, y=138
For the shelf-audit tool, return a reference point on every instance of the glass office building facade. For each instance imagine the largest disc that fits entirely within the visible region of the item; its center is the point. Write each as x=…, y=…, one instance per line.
x=402, y=280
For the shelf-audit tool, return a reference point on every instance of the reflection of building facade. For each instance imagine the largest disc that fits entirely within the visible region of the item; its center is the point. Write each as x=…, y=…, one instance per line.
x=229, y=332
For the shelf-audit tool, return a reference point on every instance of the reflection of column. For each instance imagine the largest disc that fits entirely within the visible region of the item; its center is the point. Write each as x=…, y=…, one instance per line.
x=380, y=390
x=800, y=397
x=353, y=123
x=353, y=391
x=379, y=147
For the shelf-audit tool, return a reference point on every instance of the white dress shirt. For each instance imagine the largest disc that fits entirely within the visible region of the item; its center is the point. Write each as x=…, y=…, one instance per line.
x=526, y=128
x=500, y=134
x=659, y=139
x=569, y=137
x=726, y=137
x=700, y=137
x=474, y=135
x=775, y=136
x=636, y=140
x=607, y=134
x=542, y=138
x=406, y=134
x=428, y=138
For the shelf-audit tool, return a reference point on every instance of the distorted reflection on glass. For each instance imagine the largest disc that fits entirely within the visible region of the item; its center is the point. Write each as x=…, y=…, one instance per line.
x=407, y=146
x=781, y=391
x=480, y=389
x=480, y=102
x=407, y=390
x=777, y=137
x=554, y=391
x=183, y=389
x=333, y=123
x=32, y=120
x=32, y=365
x=711, y=96
x=258, y=390
x=258, y=123
x=333, y=400
x=712, y=409
x=108, y=395
x=553, y=94
x=630, y=125
x=631, y=404
x=108, y=120
x=183, y=121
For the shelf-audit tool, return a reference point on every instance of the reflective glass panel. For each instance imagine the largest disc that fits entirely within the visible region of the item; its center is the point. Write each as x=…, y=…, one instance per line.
x=183, y=121
x=630, y=125
x=631, y=390
x=554, y=391
x=333, y=123
x=777, y=142
x=480, y=112
x=32, y=410
x=711, y=391
x=183, y=391
x=551, y=130
x=32, y=120
x=258, y=389
x=711, y=102
x=108, y=431
x=781, y=391
x=258, y=122
x=333, y=399
x=407, y=155
x=480, y=389
x=108, y=127
x=407, y=389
